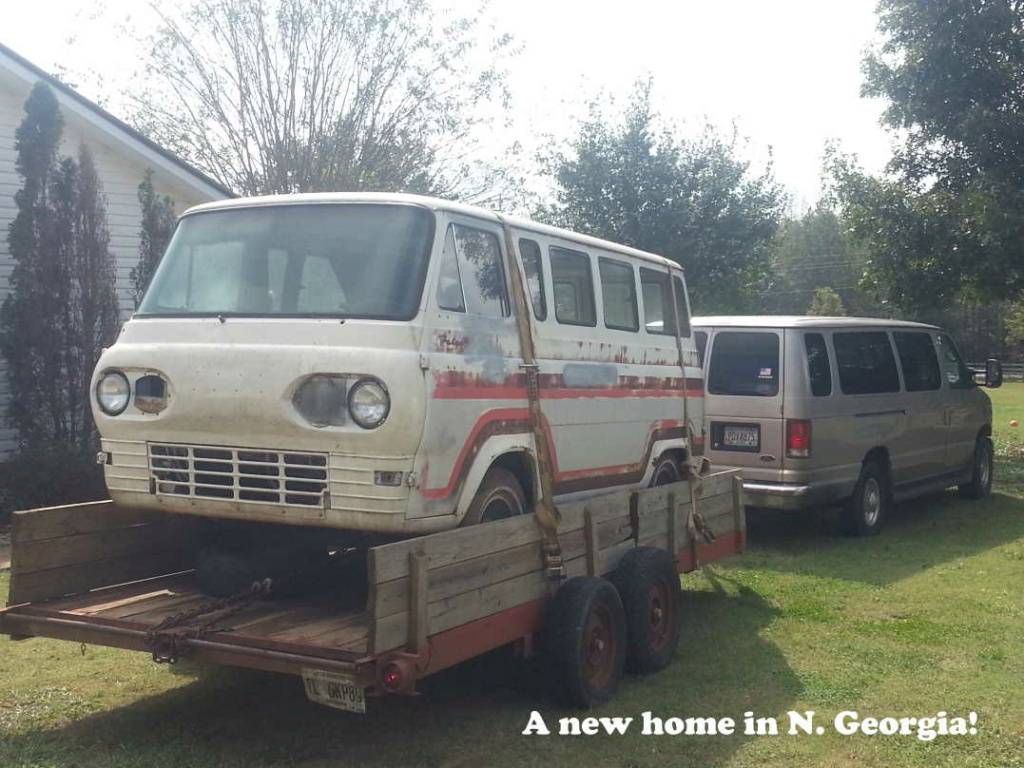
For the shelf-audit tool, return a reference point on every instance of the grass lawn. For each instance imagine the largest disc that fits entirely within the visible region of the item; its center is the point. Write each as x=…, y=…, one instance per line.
x=927, y=617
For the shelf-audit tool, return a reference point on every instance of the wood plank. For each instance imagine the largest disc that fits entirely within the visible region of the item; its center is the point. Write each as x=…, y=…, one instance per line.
x=298, y=617
x=83, y=577
x=324, y=626
x=176, y=584
x=593, y=553
x=29, y=557
x=417, y=601
x=90, y=517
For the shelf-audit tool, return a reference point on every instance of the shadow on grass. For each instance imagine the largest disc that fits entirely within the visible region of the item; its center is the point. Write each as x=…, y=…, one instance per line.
x=471, y=715
x=918, y=534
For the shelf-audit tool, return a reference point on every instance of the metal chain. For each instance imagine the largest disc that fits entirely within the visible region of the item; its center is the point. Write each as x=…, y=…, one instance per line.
x=168, y=647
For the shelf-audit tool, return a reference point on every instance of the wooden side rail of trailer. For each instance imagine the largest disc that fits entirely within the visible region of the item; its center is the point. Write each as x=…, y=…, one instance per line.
x=100, y=574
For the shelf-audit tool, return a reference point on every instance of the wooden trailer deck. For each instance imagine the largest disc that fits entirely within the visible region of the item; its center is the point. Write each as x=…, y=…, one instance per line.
x=96, y=573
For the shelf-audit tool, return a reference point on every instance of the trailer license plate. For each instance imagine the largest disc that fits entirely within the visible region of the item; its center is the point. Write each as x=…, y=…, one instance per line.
x=741, y=437
x=334, y=689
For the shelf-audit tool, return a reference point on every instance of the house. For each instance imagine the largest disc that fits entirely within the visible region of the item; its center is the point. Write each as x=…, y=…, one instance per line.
x=122, y=157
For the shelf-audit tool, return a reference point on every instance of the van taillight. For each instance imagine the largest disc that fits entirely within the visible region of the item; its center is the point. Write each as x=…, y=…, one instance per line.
x=798, y=438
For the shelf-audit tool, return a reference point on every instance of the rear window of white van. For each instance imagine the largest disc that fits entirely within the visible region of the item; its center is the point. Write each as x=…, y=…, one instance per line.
x=744, y=363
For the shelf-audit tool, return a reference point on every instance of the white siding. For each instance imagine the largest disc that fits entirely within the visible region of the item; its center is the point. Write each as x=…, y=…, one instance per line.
x=120, y=171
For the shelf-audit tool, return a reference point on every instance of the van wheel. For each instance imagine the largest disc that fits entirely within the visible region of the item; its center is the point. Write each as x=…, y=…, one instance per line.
x=586, y=637
x=500, y=497
x=648, y=584
x=981, y=474
x=867, y=510
x=666, y=471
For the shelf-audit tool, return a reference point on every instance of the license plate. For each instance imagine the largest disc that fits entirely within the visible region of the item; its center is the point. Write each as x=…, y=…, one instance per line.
x=742, y=437
x=334, y=689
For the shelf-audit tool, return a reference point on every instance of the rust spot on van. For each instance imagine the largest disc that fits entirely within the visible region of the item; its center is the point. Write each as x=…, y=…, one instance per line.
x=451, y=343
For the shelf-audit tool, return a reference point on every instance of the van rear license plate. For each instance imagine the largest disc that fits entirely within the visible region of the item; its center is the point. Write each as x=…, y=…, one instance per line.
x=741, y=437
x=334, y=689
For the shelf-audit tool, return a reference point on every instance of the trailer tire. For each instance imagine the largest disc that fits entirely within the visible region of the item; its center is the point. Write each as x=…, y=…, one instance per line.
x=586, y=636
x=648, y=584
x=499, y=497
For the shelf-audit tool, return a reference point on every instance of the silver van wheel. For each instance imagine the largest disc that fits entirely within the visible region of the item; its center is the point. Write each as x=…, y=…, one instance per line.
x=866, y=511
x=980, y=485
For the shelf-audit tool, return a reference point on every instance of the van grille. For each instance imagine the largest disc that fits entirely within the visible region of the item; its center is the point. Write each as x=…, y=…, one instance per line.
x=239, y=474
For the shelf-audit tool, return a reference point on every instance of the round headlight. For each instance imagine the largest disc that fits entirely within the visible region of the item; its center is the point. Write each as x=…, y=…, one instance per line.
x=113, y=393
x=369, y=403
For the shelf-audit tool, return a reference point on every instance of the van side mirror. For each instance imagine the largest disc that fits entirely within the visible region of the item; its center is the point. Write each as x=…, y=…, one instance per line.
x=993, y=373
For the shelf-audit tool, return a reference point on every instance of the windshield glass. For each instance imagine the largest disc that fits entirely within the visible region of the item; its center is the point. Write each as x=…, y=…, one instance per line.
x=338, y=260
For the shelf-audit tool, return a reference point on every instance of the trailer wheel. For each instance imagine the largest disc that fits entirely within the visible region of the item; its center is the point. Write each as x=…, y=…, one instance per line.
x=648, y=584
x=586, y=636
x=500, y=497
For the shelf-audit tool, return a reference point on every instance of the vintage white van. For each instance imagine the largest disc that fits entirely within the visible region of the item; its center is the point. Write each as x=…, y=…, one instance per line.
x=363, y=362
x=860, y=411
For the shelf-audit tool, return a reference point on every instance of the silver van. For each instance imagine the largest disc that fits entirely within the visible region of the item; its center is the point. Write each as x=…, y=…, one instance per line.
x=859, y=411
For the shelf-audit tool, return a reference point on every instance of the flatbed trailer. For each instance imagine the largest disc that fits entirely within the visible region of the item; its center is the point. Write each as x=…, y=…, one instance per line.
x=99, y=574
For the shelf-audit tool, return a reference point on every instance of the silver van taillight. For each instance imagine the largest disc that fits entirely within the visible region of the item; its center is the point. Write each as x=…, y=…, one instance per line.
x=798, y=438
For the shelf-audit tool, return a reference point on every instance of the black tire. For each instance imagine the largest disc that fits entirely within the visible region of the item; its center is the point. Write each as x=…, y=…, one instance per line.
x=500, y=497
x=980, y=485
x=865, y=513
x=666, y=471
x=652, y=599
x=586, y=642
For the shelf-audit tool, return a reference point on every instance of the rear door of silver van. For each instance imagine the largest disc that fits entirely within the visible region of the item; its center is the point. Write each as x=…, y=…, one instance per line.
x=744, y=375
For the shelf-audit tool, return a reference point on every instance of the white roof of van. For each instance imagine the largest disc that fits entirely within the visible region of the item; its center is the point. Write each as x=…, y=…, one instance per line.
x=432, y=203
x=802, y=321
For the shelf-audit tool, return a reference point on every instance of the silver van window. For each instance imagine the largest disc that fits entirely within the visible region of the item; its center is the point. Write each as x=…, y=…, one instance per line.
x=529, y=251
x=483, y=276
x=573, y=287
x=818, y=366
x=744, y=363
x=918, y=360
x=953, y=367
x=866, y=363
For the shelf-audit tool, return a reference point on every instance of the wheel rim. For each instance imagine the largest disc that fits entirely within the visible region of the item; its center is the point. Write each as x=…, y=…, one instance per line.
x=872, y=504
x=599, y=647
x=659, y=616
x=985, y=468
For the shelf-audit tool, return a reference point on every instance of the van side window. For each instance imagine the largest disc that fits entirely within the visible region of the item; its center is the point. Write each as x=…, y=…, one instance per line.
x=918, y=360
x=953, y=367
x=744, y=363
x=681, y=308
x=530, y=253
x=866, y=363
x=618, y=292
x=482, y=272
x=658, y=315
x=701, y=337
x=449, y=284
x=818, y=365
x=573, y=287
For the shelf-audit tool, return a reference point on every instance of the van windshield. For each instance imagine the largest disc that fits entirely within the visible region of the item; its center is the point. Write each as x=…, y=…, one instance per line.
x=744, y=363
x=337, y=260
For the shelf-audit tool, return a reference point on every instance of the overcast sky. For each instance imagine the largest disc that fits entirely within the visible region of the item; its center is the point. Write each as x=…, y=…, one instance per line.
x=787, y=72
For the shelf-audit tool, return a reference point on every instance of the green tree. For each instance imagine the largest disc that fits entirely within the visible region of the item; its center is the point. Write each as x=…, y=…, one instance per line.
x=279, y=96
x=826, y=303
x=631, y=180
x=811, y=252
x=158, y=222
x=61, y=311
x=945, y=226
